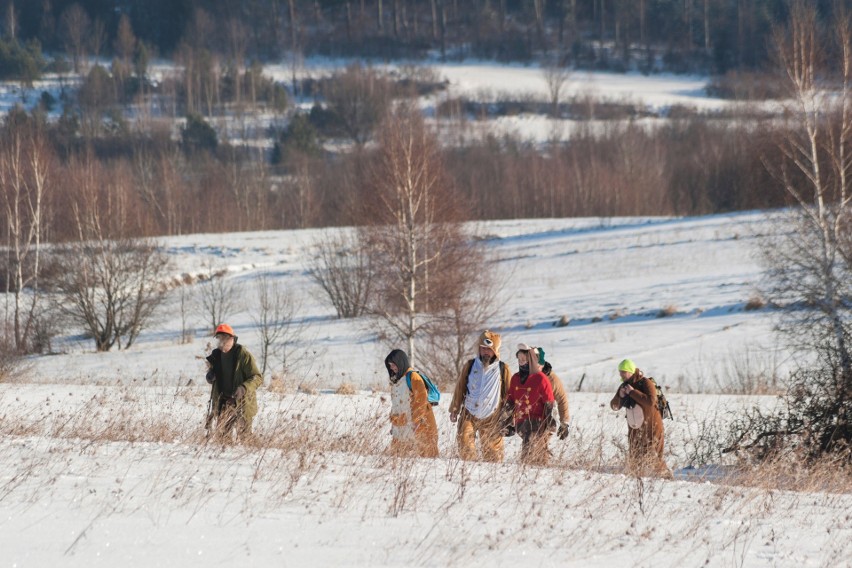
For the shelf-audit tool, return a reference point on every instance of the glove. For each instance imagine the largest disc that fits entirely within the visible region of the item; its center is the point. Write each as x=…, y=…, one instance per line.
x=509, y=431
x=240, y=392
x=211, y=377
x=562, y=432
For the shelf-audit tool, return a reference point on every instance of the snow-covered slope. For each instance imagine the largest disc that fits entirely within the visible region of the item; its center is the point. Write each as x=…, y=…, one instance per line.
x=613, y=278
x=103, y=459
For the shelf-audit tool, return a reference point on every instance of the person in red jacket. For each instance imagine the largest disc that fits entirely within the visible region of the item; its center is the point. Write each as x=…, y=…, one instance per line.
x=530, y=403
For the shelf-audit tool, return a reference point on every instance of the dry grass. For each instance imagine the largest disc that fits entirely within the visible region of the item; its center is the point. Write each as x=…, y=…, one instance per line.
x=755, y=303
x=277, y=384
x=346, y=389
x=320, y=456
x=667, y=311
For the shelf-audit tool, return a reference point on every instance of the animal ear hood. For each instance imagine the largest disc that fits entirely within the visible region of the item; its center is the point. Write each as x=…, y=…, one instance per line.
x=491, y=340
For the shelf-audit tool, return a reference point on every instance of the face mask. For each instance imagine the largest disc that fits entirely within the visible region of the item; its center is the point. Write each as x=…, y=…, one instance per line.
x=524, y=370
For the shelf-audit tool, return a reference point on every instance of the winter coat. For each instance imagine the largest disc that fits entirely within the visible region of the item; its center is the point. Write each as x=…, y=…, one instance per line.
x=559, y=393
x=645, y=443
x=457, y=404
x=412, y=419
x=531, y=400
x=246, y=374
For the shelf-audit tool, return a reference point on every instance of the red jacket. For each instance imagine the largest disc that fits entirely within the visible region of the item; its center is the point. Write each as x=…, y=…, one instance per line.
x=530, y=397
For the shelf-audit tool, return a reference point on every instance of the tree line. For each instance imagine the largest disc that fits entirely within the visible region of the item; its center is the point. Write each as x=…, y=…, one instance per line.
x=714, y=35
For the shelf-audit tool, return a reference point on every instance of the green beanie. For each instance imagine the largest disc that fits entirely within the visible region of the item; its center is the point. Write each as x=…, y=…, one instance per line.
x=627, y=365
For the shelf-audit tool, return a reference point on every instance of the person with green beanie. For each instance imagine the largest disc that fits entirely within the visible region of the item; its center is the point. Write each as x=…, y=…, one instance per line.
x=637, y=394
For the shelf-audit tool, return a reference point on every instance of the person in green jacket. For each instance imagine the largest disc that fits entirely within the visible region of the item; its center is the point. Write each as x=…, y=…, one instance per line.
x=234, y=377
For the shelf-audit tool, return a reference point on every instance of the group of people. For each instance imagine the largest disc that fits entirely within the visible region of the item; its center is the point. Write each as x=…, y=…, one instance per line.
x=488, y=403
x=491, y=405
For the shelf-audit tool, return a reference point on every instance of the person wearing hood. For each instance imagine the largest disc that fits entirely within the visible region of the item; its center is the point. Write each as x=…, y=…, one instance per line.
x=637, y=394
x=530, y=404
x=235, y=377
x=413, y=427
x=559, y=393
x=478, y=400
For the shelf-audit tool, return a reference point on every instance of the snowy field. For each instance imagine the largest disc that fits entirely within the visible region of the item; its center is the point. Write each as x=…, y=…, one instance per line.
x=103, y=460
x=613, y=278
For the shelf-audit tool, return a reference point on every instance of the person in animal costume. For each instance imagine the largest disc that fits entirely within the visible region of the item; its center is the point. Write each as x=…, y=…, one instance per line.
x=637, y=394
x=413, y=427
x=478, y=401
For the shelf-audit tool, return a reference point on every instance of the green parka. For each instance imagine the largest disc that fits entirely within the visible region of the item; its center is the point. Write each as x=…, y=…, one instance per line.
x=246, y=373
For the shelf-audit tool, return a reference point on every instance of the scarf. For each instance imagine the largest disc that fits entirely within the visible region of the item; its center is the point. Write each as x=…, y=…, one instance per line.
x=483, y=389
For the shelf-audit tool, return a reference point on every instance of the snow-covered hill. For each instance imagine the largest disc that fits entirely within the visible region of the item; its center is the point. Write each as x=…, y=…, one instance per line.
x=103, y=460
x=669, y=293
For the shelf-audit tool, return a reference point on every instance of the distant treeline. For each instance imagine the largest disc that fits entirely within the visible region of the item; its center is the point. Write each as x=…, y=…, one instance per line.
x=133, y=183
x=675, y=35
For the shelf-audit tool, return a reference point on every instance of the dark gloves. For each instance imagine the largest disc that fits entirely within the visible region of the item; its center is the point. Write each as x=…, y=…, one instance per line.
x=562, y=432
x=240, y=392
x=211, y=377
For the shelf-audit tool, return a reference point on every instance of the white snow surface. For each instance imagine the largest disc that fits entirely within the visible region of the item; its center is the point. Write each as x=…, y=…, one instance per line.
x=611, y=278
x=103, y=460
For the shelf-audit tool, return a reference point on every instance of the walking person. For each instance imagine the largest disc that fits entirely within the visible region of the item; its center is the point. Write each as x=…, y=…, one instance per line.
x=561, y=416
x=413, y=427
x=478, y=400
x=530, y=403
x=637, y=394
x=235, y=377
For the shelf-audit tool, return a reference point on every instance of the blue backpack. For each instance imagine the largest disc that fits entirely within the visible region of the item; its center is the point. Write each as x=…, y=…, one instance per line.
x=432, y=392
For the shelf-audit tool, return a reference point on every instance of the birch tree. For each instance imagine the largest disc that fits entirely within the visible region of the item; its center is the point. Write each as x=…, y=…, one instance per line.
x=24, y=167
x=414, y=231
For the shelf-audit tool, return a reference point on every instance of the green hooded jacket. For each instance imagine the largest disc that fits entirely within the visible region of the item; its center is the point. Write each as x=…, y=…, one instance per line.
x=246, y=373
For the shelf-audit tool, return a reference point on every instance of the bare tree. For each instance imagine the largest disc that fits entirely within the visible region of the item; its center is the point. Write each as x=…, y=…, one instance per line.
x=471, y=303
x=24, y=166
x=359, y=97
x=74, y=25
x=11, y=21
x=275, y=316
x=237, y=38
x=556, y=76
x=342, y=267
x=808, y=266
x=218, y=297
x=125, y=41
x=111, y=288
x=185, y=306
x=97, y=37
x=415, y=235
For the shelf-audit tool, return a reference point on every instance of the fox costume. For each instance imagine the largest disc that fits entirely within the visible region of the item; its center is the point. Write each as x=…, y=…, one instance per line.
x=413, y=426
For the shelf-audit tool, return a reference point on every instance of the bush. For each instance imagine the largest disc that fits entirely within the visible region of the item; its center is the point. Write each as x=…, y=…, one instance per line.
x=97, y=91
x=20, y=62
x=745, y=86
x=198, y=134
x=10, y=360
x=300, y=136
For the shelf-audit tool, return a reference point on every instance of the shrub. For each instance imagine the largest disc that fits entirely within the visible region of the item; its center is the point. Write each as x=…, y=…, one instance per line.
x=20, y=62
x=198, y=134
